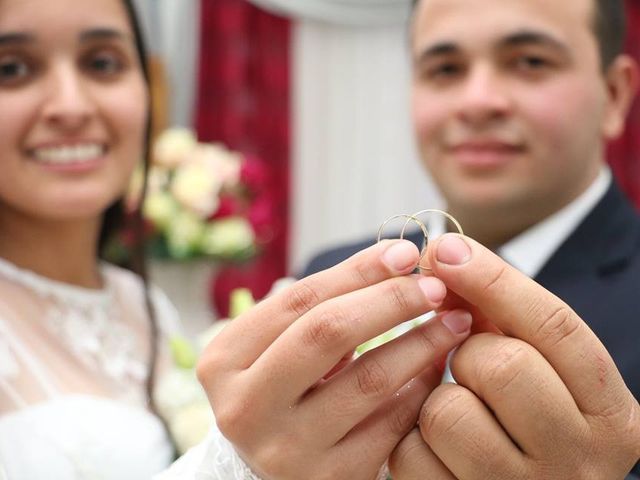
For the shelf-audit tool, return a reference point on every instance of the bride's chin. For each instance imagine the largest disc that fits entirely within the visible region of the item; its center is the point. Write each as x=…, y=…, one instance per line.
x=75, y=209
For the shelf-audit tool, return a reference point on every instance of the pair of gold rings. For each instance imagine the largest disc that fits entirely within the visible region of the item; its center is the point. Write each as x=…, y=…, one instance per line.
x=415, y=218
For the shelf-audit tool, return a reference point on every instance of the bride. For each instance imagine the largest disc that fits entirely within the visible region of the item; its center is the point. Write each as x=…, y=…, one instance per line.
x=78, y=346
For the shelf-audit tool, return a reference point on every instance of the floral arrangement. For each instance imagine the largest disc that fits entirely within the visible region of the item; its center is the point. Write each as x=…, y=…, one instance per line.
x=181, y=400
x=202, y=200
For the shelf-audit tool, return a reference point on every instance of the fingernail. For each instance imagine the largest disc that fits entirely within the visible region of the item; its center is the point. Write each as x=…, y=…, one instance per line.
x=457, y=321
x=452, y=250
x=400, y=256
x=433, y=289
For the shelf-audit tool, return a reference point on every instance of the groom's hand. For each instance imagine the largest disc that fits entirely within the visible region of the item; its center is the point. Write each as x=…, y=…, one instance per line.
x=542, y=400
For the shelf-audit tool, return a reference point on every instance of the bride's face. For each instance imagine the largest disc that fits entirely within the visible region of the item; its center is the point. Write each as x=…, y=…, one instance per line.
x=73, y=106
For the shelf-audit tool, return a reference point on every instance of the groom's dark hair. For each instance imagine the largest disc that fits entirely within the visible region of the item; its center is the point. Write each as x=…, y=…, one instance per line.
x=609, y=26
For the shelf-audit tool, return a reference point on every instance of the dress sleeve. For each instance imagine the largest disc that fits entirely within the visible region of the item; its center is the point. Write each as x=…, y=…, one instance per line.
x=213, y=459
x=216, y=459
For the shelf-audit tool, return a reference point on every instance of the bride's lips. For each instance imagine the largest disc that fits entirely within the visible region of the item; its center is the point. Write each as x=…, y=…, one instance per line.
x=73, y=157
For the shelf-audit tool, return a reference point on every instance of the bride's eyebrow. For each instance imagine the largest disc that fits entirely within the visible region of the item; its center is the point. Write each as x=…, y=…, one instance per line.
x=104, y=33
x=20, y=38
x=15, y=38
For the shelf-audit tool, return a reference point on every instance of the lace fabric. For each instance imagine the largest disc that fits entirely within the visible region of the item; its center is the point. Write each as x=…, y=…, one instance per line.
x=98, y=337
x=213, y=459
x=216, y=459
x=95, y=327
x=73, y=366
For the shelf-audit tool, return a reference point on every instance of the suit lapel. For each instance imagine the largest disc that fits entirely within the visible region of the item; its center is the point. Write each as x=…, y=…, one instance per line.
x=602, y=243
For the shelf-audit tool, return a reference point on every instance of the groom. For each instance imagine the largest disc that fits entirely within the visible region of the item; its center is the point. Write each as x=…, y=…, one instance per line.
x=513, y=103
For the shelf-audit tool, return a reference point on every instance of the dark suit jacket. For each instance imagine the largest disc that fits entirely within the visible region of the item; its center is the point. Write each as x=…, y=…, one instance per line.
x=596, y=271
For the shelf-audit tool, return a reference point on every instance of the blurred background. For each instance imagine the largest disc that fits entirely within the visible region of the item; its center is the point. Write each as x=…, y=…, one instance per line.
x=300, y=112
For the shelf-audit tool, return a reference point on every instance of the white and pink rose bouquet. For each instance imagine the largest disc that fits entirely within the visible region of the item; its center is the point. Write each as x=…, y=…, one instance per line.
x=200, y=199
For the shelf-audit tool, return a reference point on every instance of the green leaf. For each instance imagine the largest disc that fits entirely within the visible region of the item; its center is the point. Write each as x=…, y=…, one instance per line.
x=183, y=353
x=240, y=301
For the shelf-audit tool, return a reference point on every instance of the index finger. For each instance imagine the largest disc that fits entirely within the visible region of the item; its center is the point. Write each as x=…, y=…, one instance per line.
x=248, y=336
x=521, y=308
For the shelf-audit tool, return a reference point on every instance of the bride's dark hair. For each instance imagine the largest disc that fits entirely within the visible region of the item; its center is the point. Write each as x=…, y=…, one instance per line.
x=115, y=217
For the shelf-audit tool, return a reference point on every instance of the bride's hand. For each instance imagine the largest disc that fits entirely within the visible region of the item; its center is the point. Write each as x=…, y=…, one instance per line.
x=266, y=373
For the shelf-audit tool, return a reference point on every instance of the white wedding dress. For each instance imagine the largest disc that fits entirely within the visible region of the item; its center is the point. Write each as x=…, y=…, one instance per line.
x=73, y=367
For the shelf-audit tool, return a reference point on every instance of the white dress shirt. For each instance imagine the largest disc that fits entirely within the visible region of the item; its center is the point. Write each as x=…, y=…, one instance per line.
x=529, y=251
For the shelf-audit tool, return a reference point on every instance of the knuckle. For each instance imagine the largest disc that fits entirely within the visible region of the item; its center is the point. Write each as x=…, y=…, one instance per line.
x=406, y=453
x=230, y=419
x=429, y=338
x=302, y=297
x=402, y=419
x=372, y=379
x=398, y=296
x=270, y=460
x=326, y=329
x=363, y=270
x=635, y=436
x=582, y=471
x=558, y=326
x=207, y=367
x=332, y=471
x=503, y=367
x=613, y=412
x=441, y=411
x=630, y=431
x=362, y=274
x=496, y=281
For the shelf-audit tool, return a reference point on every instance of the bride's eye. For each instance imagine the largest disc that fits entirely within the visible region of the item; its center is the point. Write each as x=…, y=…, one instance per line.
x=104, y=64
x=13, y=70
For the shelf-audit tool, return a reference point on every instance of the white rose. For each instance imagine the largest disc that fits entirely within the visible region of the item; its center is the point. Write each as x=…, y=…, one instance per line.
x=176, y=390
x=197, y=188
x=223, y=163
x=158, y=179
x=182, y=402
x=173, y=146
x=191, y=425
x=228, y=237
x=184, y=234
x=160, y=208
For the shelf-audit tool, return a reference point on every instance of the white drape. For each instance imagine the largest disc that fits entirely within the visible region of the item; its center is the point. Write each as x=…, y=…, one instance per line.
x=354, y=158
x=354, y=12
x=172, y=31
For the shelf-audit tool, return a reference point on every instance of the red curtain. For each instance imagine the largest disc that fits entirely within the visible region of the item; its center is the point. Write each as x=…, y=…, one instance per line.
x=243, y=101
x=623, y=153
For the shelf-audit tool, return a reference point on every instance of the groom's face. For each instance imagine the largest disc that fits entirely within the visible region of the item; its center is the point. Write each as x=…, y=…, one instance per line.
x=509, y=101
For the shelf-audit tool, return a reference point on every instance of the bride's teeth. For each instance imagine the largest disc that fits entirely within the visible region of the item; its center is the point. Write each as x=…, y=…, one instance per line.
x=70, y=154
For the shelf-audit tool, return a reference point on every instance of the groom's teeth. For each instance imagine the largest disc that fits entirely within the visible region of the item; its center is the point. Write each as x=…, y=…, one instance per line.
x=70, y=154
